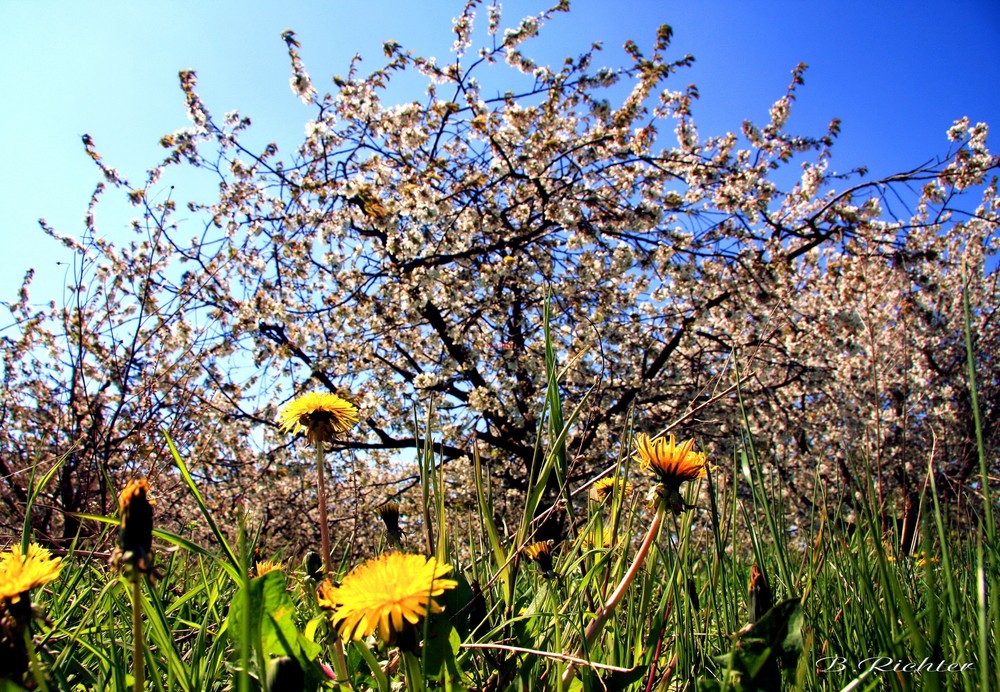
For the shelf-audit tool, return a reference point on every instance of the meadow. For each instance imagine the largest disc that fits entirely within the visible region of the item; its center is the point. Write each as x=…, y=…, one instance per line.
x=670, y=578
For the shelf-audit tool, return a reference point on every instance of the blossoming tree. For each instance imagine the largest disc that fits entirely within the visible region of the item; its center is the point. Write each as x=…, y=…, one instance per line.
x=405, y=253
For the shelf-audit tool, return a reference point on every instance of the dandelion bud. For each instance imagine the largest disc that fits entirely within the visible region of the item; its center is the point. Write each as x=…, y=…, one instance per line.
x=313, y=565
x=389, y=513
x=759, y=599
x=135, y=538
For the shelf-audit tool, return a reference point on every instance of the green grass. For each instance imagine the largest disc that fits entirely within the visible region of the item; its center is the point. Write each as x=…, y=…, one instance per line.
x=855, y=600
x=844, y=599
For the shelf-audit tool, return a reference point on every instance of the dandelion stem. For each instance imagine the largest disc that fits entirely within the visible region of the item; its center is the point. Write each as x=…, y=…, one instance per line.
x=324, y=528
x=138, y=673
x=602, y=617
x=340, y=663
x=339, y=660
x=376, y=670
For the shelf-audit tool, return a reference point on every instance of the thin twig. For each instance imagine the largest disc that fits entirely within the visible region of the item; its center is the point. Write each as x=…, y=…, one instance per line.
x=548, y=654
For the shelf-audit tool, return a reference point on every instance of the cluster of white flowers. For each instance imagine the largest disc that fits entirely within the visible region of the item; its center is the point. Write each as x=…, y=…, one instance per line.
x=462, y=26
x=300, y=81
x=528, y=28
x=425, y=380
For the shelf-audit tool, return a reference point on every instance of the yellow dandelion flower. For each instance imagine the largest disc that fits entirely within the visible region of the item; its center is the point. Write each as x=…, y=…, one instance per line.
x=601, y=538
x=606, y=487
x=262, y=567
x=19, y=573
x=385, y=593
x=326, y=594
x=672, y=464
x=541, y=553
x=320, y=415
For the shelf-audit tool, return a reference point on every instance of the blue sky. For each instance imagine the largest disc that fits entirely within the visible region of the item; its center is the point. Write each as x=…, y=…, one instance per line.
x=896, y=73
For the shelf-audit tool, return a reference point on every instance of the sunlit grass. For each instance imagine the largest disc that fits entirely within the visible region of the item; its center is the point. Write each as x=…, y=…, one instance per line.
x=701, y=586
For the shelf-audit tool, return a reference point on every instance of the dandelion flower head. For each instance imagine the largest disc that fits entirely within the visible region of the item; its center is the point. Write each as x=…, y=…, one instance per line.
x=265, y=566
x=385, y=593
x=389, y=513
x=322, y=416
x=541, y=553
x=326, y=595
x=672, y=463
x=22, y=572
x=603, y=538
x=606, y=487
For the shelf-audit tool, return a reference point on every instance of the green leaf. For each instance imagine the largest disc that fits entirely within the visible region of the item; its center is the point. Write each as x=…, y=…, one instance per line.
x=278, y=633
x=755, y=655
x=458, y=604
x=34, y=490
x=312, y=626
x=780, y=628
x=440, y=648
x=486, y=515
x=272, y=616
x=10, y=686
x=233, y=565
x=160, y=633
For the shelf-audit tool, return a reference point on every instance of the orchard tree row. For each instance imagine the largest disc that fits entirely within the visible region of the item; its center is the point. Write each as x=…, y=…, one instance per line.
x=406, y=254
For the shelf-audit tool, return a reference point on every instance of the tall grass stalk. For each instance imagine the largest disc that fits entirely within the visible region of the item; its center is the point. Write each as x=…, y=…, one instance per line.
x=987, y=557
x=990, y=526
x=752, y=462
